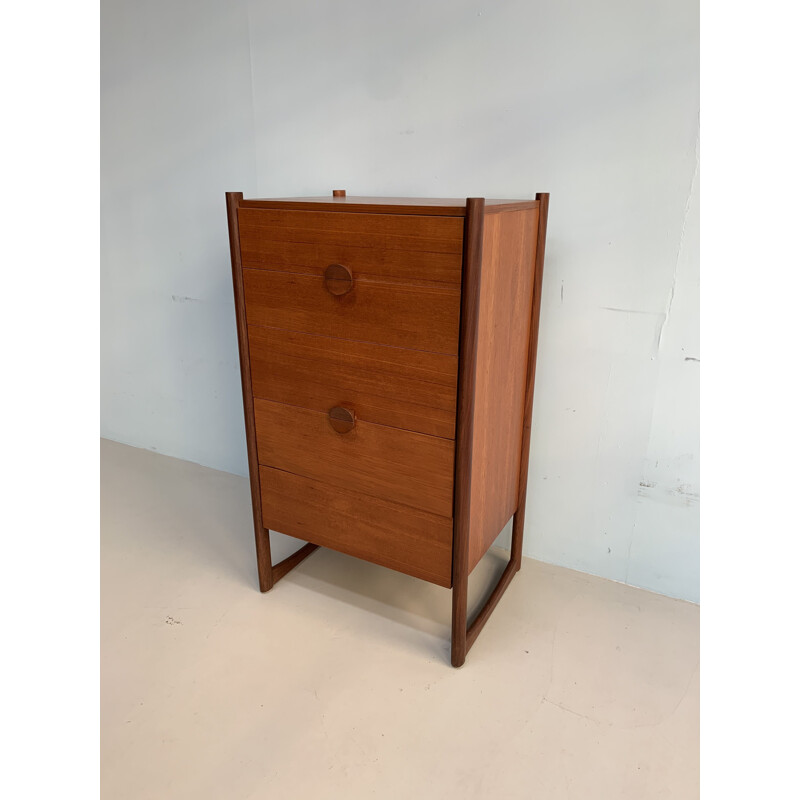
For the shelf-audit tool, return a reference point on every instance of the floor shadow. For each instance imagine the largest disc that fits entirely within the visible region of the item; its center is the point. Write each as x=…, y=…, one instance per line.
x=393, y=595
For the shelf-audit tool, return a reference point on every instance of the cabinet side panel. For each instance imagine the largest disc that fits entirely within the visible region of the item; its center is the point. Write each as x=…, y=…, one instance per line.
x=504, y=319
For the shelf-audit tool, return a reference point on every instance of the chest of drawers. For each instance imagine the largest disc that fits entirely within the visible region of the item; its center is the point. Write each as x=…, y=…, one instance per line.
x=388, y=354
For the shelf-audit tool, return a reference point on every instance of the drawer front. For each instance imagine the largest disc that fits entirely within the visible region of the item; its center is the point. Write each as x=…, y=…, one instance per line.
x=393, y=535
x=400, y=315
x=395, y=465
x=409, y=389
x=384, y=246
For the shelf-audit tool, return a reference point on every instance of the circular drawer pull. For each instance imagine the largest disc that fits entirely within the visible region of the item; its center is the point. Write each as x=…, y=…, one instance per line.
x=341, y=419
x=338, y=279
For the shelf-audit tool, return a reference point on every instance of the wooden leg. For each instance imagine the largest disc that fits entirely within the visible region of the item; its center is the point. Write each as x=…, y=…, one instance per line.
x=264, y=559
x=288, y=564
x=458, y=635
x=269, y=574
x=463, y=636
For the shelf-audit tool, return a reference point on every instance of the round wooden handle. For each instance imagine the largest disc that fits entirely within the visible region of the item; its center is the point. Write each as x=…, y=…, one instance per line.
x=342, y=419
x=338, y=279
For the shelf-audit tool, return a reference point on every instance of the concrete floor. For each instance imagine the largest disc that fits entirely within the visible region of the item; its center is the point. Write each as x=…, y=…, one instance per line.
x=337, y=683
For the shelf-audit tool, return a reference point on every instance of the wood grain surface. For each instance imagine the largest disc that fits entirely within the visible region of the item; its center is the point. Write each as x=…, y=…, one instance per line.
x=410, y=389
x=379, y=231
x=384, y=246
x=389, y=265
x=538, y=273
x=405, y=539
x=504, y=322
x=401, y=466
x=415, y=317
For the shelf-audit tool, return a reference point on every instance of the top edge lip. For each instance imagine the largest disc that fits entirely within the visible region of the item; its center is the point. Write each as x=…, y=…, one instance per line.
x=436, y=206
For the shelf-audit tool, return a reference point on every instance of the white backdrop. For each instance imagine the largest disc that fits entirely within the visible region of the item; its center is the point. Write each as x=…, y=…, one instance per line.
x=595, y=103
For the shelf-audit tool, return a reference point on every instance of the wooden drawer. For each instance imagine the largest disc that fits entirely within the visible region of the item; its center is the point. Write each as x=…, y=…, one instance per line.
x=393, y=535
x=410, y=389
x=399, y=315
x=406, y=248
x=400, y=466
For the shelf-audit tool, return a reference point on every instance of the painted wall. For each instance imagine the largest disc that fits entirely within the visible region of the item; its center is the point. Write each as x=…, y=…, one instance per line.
x=596, y=103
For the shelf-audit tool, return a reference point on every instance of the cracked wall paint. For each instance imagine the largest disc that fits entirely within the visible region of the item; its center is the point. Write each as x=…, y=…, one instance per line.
x=686, y=208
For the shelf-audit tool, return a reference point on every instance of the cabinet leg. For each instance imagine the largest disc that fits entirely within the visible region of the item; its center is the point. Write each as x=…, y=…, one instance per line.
x=462, y=636
x=458, y=636
x=264, y=559
x=289, y=563
x=269, y=574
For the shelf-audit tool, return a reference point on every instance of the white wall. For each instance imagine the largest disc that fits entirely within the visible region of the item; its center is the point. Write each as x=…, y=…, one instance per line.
x=595, y=103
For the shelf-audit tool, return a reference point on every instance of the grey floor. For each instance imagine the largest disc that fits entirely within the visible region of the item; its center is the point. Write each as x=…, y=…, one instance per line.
x=337, y=683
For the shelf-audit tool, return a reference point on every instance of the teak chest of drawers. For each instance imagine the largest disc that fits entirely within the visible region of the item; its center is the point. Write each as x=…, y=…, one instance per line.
x=388, y=353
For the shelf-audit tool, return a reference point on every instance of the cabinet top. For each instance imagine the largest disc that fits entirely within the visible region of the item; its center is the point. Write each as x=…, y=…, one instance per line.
x=439, y=206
